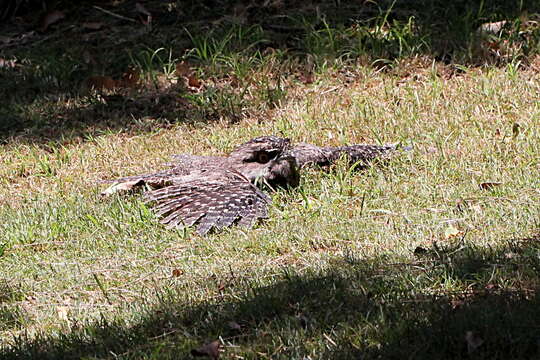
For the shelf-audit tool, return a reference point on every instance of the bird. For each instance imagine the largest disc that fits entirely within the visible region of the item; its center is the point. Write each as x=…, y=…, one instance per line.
x=215, y=192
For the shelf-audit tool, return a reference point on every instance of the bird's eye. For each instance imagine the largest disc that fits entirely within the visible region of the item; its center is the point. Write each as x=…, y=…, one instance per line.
x=263, y=158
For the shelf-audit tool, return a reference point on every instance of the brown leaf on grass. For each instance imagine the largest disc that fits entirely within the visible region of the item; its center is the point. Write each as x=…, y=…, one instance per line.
x=50, y=18
x=193, y=81
x=92, y=25
x=99, y=83
x=210, y=350
x=493, y=46
x=184, y=70
x=473, y=341
x=177, y=272
x=489, y=185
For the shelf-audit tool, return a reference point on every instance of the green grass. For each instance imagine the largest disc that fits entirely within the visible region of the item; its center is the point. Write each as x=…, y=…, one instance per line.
x=400, y=260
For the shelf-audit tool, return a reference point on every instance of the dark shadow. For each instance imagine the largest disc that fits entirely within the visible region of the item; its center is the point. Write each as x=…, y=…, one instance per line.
x=61, y=58
x=380, y=308
x=11, y=316
x=101, y=113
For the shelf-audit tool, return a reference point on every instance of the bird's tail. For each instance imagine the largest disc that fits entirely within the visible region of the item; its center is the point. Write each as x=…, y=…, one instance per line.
x=363, y=154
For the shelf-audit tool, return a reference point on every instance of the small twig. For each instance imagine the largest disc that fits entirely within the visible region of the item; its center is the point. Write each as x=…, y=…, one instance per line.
x=329, y=339
x=102, y=288
x=114, y=14
x=330, y=90
x=164, y=335
x=17, y=246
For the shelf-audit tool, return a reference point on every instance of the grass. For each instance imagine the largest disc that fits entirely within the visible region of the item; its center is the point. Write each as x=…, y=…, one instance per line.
x=399, y=260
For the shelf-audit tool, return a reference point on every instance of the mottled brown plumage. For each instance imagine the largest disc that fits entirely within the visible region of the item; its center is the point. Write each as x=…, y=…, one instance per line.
x=216, y=192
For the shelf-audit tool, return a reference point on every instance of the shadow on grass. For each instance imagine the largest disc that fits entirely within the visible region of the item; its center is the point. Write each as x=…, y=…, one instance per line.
x=59, y=60
x=10, y=316
x=98, y=115
x=356, y=308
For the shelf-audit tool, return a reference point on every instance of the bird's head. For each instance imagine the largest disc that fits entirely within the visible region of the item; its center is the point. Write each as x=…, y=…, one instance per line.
x=266, y=159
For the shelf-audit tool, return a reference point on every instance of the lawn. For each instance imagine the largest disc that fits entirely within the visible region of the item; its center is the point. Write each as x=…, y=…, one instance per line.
x=433, y=254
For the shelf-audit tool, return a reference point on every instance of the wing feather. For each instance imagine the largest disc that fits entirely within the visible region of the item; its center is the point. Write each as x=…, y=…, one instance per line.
x=212, y=203
x=308, y=154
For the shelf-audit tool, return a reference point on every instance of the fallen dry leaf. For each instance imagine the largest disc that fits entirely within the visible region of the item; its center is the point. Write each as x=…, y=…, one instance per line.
x=210, y=350
x=489, y=185
x=177, y=272
x=193, y=81
x=101, y=83
x=50, y=18
x=185, y=71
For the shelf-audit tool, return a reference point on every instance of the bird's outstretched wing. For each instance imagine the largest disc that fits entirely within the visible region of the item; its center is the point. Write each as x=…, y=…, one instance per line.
x=215, y=202
x=182, y=168
x=308, y=154
x=186, y=162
